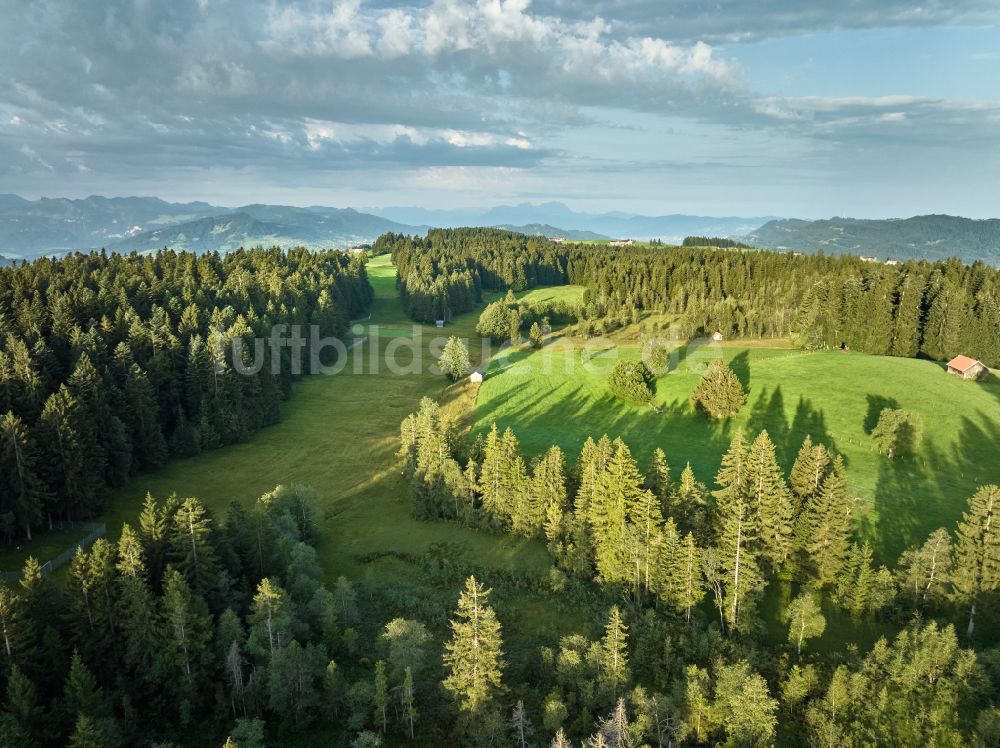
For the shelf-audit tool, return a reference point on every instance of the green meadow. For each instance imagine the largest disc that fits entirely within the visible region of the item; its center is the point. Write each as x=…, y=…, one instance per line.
x=558, y=396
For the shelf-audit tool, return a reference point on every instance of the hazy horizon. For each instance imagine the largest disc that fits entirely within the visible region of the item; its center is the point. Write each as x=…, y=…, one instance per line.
x=766, y=107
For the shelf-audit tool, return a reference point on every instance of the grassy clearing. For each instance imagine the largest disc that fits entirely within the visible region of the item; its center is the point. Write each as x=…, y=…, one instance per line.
x=558, y=396
x=550, y=294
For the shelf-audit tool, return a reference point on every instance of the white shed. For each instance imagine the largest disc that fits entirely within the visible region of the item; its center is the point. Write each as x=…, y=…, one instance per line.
x=477, y=376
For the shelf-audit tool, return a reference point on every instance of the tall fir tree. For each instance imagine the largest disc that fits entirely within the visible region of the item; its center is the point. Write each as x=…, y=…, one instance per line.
x=826, y=525
x=977, y=550
x=772, y=499
x=737, y=526
x=614, y=673
x=21, y=484
x=547, y=497
x=473, y=656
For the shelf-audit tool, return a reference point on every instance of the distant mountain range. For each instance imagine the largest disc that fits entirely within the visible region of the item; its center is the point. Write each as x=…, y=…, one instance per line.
x=933, y=237
x=551, y=232
x=268, y=225
x=31, y=228
x=669, y=228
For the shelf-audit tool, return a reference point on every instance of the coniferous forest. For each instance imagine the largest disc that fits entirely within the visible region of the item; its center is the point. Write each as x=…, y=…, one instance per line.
x=701, y=606
x=914, y=308
x=111, y=363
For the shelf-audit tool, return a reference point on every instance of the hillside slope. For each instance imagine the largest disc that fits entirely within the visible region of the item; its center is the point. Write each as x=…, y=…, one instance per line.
x=932, y=237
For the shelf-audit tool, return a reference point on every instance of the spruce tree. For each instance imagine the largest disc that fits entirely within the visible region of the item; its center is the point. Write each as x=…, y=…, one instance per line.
x=856, y=579
x=720, y=393
x=535, y=335
x=773, y=502
x=82, y=694
x=658, y=481
x=906, y=322
x=86, y=734
x=270, y=619
x=494, y=479
x=826, y=525
x=21, y=483
x=619, y=492
x=191, y=546
x=737, y=528
x=810, y=468
x=692, y=590
x=977, y=550
x=614, y=673
x=691, y=505
x=547, y=498
x=473, y=655
x=66, y=441
x=10, y=623
x=186, y=632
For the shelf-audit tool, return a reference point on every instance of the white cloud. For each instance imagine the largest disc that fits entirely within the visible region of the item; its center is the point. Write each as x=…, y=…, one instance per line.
x=396, y=34
x=500, y=31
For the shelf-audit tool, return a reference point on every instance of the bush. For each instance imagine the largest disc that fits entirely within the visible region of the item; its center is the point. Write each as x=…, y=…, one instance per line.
x=631, y=381
x=720, y=393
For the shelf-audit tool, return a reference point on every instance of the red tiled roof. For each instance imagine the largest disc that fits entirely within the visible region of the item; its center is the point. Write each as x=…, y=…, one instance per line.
x=962, y=363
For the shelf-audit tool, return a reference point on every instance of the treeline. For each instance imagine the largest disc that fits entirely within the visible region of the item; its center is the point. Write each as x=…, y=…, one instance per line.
x=444, y=273
x=917, y=308
x=713, y=241
x=110, y=363
x=676, y=549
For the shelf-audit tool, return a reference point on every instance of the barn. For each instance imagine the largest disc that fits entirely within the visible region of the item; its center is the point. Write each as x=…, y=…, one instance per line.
x=477, y=376
x=967, y=368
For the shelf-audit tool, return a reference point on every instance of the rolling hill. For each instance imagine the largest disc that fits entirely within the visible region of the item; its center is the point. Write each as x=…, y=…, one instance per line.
x=931, y=237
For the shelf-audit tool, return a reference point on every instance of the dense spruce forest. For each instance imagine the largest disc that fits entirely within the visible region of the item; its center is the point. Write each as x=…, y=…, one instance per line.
x=109, y=363
x=915, y=308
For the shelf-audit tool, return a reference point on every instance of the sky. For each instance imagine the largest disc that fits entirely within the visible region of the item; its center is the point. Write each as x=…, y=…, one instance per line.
x=867, y=108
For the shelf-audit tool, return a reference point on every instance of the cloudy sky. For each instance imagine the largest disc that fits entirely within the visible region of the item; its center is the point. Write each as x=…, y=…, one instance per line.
x=735, y=107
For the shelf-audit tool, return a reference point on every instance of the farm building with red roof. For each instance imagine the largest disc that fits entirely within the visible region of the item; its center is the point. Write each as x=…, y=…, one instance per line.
x=967, y=368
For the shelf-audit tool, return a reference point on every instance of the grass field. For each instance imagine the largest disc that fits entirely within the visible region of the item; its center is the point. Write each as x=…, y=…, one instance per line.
x=548, y=294
x=558, y=396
